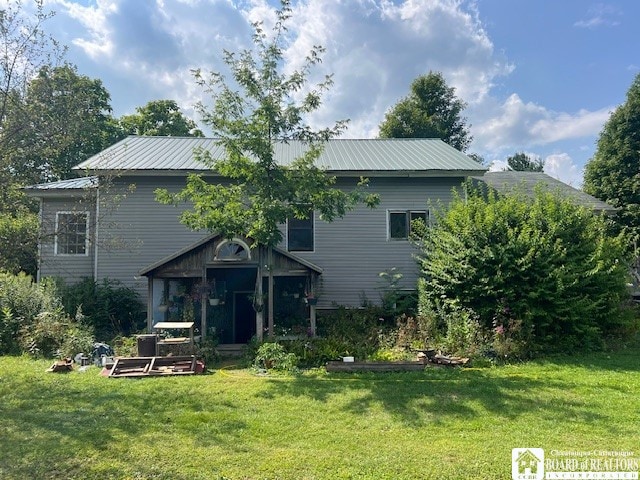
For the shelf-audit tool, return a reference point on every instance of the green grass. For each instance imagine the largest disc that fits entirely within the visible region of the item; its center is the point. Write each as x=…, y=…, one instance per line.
x=443, y=423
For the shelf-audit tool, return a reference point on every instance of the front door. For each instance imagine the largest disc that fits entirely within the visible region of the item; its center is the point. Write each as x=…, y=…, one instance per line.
x=244, y=317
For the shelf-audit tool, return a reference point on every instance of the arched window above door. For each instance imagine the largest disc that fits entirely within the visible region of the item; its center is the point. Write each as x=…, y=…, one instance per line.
x=232, y=251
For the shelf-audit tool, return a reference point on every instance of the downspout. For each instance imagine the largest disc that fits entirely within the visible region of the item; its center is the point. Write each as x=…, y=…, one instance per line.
x=39, y=252
x=95, y=235
x=270, y=293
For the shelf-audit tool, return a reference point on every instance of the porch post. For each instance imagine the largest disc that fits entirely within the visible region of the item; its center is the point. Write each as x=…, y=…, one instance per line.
x=258, y=291
x=312, y=314
x=270, y=318
x=204, y=304
x=149, y=303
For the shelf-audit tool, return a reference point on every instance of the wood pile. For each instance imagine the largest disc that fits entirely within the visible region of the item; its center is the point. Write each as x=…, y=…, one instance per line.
x=153, y=366
x=61, y=366
x=424, y=358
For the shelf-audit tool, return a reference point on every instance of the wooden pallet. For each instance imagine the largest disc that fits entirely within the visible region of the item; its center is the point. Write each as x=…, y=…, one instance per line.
x=153, y=366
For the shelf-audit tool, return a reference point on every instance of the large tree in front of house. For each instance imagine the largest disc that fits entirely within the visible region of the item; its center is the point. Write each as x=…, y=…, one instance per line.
x=431, y=110
x=613, y=174
x=262, y=106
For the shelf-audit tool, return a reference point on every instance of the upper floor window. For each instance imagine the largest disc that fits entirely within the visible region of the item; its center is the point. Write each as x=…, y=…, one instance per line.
x=72, y=233
x=400, y=221
x=300, y=234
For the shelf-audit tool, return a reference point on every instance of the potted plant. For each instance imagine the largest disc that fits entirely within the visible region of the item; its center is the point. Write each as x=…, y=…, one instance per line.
x=310, y=299
x=164, y=304
x=214, y=299
x=312, y=292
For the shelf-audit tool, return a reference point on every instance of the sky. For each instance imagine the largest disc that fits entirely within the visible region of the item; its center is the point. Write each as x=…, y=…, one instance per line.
x=538, y=76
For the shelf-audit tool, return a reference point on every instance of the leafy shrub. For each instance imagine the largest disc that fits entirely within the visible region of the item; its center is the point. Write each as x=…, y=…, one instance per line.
x=552, y=265
x=19, y=242
x=33, y=320
x=52, y=334
x=206, y=350
x=110, y=308
x=21, y=301
x=272, y=356
x=125, y=346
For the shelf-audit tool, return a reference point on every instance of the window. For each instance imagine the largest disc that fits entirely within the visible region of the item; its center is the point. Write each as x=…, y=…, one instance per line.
x=400, y=222
x=72, y=233
x=300, y=234
x=232, y=251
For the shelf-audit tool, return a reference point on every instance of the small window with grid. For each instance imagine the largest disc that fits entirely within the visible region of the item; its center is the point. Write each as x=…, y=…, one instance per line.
x=72, y=233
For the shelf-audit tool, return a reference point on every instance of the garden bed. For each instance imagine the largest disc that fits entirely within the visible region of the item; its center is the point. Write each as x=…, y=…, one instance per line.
x=370, y=366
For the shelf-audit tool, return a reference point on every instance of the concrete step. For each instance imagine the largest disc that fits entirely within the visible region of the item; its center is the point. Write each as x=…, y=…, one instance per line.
x=231, y=350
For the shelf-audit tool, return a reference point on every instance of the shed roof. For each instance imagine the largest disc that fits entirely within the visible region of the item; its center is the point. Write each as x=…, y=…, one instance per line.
x=63, y=188
x=70, y=184
x=505, y=182
x=170, y=154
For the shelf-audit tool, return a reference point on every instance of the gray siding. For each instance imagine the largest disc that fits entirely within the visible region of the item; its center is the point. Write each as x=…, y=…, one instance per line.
x=71, y=268
x=354, y=250
x=136, y=231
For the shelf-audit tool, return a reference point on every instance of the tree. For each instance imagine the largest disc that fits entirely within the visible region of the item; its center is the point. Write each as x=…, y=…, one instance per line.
x=258, y=195
x=540, y=273
x=24, y=49
x=613, y=174
x=431, y=110
x=521, y=162
x=63, y=119
x=160, y=118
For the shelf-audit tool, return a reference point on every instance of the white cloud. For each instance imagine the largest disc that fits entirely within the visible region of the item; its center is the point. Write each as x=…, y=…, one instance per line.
x=600, y=15
x=562, y=167
x=95, y=20
x=376, y=48
x=518, y=124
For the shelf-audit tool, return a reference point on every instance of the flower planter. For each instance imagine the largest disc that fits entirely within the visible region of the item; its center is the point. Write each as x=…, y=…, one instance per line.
x=214, y=302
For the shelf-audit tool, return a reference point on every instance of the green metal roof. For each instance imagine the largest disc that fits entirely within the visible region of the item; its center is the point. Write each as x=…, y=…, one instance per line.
x=526, y=182
x=387, y=156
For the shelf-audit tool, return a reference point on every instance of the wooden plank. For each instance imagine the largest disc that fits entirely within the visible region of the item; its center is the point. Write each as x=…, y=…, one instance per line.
x=173, y=325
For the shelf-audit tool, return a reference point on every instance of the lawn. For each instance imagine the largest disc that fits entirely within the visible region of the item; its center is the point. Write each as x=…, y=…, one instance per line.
x=438, y=424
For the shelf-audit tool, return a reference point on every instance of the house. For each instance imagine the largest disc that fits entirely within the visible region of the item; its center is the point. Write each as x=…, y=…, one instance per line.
x=107, y=224
x=528, y=464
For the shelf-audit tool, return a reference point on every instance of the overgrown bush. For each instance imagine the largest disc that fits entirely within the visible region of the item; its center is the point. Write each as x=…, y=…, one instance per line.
x=52, y=334
x=206, y=350
x=19, y=242
x=273, y=356
x=21, y=301
x=110, y=308
x=539, y=273
x=33, y=320
x=124, y=346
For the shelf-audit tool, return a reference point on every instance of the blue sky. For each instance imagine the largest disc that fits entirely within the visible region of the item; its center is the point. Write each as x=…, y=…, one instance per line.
x=539, y=76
